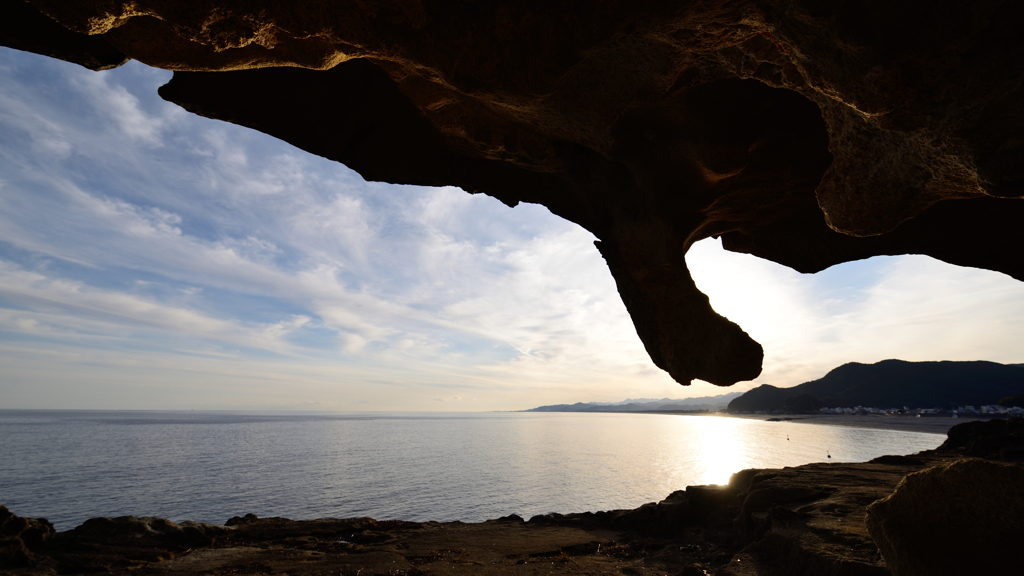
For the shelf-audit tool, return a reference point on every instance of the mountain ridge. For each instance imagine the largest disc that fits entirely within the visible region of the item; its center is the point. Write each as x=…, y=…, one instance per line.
x=709, y=403
x=892, y=384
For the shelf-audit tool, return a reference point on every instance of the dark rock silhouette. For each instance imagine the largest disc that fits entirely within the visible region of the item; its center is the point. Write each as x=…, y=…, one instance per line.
x=972, y=506
x=18, y=536
x=26, y=28
x=806, y=132
x=993, y=439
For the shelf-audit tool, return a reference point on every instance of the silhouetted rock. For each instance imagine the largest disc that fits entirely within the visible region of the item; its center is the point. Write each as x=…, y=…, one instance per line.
x=19, y=536
x=895, y=460
x=510, y=518
x=964, y=517
x=26, y=28
x=991, y=439
x=148, y=527
x=236, y=520
x=809, y=133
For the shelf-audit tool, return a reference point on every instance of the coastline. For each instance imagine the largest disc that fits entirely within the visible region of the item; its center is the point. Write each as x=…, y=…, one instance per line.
x=926, y=425
x=909, y=423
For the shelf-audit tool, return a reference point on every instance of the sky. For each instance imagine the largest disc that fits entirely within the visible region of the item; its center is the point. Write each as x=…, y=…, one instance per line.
x=154, y=259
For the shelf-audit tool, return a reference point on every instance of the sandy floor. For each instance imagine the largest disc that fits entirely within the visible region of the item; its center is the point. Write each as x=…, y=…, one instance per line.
x=934, y=425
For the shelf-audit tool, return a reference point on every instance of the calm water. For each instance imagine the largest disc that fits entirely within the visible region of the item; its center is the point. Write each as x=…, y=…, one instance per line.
x=69, y=466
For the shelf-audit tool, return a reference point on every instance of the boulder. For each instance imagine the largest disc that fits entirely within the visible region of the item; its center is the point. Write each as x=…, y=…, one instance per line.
x=994, y=439
x=964, y=517
x=19, y=536
x=148, y=527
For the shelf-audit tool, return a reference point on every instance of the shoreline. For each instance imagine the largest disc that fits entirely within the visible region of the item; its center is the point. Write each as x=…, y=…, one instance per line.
x=909, y=423
x=925, y=425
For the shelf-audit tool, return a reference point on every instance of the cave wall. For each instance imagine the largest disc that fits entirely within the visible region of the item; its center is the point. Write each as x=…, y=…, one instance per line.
x=807, y=132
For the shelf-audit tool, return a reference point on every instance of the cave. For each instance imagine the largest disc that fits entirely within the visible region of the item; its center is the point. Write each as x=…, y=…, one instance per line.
x=807, y=133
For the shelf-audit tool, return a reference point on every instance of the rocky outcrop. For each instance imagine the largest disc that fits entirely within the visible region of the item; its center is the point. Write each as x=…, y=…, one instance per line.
x=961, y=517
x=18, y=536
x=991, y=439
x=26, y=28
x=970, y=505
x=807, y=132
x=102, y=544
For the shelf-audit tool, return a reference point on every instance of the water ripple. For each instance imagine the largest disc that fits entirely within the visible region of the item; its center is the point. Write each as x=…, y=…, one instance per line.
x=69, y=466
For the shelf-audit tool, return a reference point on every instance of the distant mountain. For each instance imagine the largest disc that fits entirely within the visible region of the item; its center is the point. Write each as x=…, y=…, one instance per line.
x=645, y=405
x=892, y=384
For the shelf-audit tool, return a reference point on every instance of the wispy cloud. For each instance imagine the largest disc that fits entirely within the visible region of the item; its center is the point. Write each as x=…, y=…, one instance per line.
x=61, y=308
x=122, y=109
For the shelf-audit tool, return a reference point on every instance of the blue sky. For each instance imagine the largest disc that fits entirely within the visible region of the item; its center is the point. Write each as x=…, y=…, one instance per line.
x=150, y=258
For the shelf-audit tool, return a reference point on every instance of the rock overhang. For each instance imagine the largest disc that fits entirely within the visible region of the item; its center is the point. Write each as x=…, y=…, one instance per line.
x=806, y=133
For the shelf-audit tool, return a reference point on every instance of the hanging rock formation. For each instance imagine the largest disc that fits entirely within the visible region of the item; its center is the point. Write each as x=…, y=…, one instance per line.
x=807, y=132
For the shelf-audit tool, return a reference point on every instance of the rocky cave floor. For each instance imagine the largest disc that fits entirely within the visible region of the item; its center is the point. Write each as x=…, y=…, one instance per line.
x=809, y=519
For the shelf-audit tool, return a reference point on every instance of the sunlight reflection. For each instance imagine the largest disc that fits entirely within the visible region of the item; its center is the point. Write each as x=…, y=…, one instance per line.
x=721, y=450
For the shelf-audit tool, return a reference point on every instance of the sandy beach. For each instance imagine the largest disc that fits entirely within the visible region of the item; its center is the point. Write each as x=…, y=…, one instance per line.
x=928, y=425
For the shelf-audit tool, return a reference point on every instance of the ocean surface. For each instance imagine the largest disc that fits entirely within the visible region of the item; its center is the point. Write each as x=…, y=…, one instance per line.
x=68, y=466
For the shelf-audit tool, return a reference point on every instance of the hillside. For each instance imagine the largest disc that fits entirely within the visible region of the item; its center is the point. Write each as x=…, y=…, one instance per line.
x=893, y=384
x=711, y=403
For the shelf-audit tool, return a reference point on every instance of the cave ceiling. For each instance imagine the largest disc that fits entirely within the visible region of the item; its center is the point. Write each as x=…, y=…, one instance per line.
x=806, y=132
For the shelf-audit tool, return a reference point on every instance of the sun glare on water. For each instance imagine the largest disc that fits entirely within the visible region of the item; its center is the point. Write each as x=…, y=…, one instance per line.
x=721, y=450
x=703, y=449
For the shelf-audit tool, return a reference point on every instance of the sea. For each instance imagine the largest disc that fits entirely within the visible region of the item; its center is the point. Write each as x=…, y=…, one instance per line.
x=68, y=466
